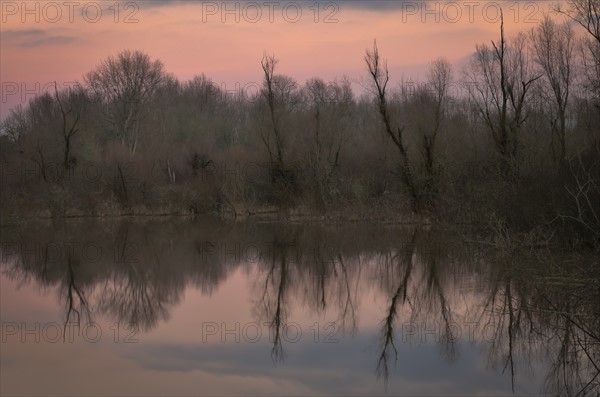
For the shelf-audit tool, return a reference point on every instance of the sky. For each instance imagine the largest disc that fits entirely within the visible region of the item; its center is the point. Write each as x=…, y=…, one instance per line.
x=46, y=41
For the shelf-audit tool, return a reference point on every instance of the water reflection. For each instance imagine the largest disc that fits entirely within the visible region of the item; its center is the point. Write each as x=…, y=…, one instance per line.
x=398, y=286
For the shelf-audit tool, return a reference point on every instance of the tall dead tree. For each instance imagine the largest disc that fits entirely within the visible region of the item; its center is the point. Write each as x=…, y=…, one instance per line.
x=280, y=94
x=380, y=77
x=268, y=64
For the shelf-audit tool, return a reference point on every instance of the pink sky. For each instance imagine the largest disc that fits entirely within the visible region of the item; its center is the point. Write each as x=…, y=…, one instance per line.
x=46, y=41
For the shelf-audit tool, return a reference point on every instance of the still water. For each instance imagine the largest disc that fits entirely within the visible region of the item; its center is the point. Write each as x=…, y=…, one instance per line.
x=211, y=307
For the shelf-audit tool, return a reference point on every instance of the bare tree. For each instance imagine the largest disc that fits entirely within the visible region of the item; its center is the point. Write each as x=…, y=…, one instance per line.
x=125, y=84
x=71, y=105
x=553, y=47
x=439, y=78
x=329, y=109
x=40, y=121
x=268, y=64
x=380, y=77
x=281, y=96
x=590, y=56
x=584, y=12
x=499, y=79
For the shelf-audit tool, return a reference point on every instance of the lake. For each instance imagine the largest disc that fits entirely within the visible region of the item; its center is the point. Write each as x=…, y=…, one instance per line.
x=214, y=307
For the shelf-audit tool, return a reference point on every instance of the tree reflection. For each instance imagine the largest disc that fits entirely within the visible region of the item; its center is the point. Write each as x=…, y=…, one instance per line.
x=51, y=262
x=404, y=264
x=74, y=294
x=274, y=303
x=532, y=307
x=139, y=291
x=435, y=267
x=571, y=300
x=347, y=307
x=526, y=304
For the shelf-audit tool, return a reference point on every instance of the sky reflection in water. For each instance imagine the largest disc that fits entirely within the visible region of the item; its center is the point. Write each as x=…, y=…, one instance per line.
x=211, y=307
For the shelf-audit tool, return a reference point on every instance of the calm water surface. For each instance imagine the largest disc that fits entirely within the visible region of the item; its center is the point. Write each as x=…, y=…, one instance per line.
x=210, y=307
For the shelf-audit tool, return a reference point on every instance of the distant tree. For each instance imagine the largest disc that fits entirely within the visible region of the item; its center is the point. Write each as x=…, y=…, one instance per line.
x=126, y=84
x=329, y=107
x=72, y=104
x=498, y=80
x=553, y=50
x=439, y=78
x=16, y=125
x=39, y=140
x=584, y=12
x=281, y=96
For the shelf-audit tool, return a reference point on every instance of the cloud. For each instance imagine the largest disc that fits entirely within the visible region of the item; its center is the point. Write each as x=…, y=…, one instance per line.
x=47, y=41
x=374, y=5
x=28, y=38
x=379, y=5
x=16, y=34
x=347, y=367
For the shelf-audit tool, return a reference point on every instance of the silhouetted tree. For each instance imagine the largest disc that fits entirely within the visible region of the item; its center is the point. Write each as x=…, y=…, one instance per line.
x=125, y=84
x=499, y=79
x=553, y=47
x=380, y=77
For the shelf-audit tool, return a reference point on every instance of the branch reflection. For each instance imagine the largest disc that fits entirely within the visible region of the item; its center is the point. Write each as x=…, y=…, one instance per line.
x=521, y=304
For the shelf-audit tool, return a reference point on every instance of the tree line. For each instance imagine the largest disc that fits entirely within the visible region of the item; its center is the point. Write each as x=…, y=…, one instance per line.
x=516, y=147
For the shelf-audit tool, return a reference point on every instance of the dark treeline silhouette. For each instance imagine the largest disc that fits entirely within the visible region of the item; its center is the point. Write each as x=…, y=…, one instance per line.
x=512, y=141
x=520, y=303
